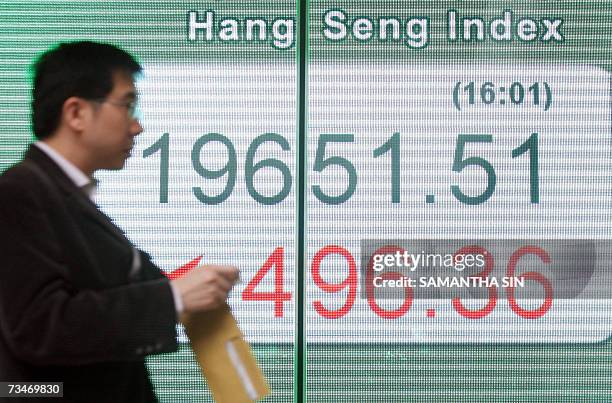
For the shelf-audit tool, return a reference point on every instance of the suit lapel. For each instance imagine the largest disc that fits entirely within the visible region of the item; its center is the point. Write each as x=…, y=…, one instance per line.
x=72, y=192
x=91, y=210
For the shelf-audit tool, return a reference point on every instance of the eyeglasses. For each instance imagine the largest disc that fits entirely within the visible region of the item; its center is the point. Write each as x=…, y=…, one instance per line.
x=131, y=106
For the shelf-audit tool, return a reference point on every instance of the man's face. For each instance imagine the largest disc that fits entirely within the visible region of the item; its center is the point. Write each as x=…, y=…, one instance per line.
x=109, y=137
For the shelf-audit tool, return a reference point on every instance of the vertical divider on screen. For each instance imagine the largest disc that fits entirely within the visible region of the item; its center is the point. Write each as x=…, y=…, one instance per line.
x=301, y=181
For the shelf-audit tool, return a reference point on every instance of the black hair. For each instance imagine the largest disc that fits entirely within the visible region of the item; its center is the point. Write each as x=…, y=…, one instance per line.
x=82, y=69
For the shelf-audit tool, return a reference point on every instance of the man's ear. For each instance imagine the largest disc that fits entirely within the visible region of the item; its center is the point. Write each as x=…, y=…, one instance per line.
x=76, y=113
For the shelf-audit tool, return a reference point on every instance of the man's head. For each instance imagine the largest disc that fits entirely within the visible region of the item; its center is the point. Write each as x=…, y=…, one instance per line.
x=83, y=98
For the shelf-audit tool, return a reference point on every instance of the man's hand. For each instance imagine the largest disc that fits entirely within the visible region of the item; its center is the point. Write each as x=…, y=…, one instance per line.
x=206, y=287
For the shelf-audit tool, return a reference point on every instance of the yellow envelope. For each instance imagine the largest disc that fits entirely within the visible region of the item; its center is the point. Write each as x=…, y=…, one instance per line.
x=225, y=358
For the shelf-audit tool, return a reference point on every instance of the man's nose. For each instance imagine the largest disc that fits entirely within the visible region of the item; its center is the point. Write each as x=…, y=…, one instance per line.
x=136, y=127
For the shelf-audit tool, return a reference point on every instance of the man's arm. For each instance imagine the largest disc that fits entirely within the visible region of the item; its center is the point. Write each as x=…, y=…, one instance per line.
x=46, y=320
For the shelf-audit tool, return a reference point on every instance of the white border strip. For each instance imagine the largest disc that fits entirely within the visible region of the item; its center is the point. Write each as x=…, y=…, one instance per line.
x=242, y=372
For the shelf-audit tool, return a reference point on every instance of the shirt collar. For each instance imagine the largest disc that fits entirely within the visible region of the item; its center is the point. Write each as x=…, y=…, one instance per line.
x=77, y=176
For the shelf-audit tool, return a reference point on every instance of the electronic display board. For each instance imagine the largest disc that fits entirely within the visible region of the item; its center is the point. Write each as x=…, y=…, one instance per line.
x=448, y=180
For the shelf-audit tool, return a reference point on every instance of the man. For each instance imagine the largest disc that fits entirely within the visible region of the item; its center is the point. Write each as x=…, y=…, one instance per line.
x=78, y=303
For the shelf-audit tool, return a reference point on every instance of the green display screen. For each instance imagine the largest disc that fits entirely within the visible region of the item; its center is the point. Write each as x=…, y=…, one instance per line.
x=356, y=160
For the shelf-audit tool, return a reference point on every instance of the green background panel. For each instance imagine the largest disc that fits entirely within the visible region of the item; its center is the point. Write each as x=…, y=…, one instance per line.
x=152, y=31
x=155, y=32
x=459, y=373
x=176, y=377
x=464, y=373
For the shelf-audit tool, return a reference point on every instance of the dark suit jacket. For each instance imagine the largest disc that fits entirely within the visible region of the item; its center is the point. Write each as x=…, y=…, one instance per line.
x=71, y=307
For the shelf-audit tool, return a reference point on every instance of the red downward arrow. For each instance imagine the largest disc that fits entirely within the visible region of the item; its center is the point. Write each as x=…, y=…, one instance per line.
x=176, y=273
